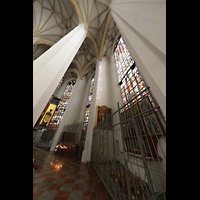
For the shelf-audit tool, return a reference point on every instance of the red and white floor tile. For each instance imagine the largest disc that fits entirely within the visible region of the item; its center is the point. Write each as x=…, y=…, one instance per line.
x=61, y=177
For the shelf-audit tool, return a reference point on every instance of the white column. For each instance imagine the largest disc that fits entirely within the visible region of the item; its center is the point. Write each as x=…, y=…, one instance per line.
x=49, y=68
x=77, y=101
x=143, y=28
x=102, y=95
x=74, y=107
x=116, y=90
x=104, y=92
x=85, y=98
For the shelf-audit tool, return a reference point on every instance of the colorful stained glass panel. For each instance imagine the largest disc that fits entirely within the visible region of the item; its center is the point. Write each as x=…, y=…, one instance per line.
x=87, y=112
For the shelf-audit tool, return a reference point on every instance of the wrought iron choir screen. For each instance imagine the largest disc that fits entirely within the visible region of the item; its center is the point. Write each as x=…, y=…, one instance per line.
x=130, y=153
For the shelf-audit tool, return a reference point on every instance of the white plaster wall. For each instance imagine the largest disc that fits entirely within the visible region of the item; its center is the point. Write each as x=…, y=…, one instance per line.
x=148, y=17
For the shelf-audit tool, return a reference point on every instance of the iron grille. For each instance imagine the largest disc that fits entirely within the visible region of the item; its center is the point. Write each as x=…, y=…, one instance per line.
x=129, y=154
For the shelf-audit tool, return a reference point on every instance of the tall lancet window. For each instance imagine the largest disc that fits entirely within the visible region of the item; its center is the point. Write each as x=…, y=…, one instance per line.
x=58, y=115
x=130, y=79
x=87, y=112
x=132, y=86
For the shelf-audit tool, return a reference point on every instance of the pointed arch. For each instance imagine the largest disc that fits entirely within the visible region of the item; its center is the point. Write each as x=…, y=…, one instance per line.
x=91, y=37
x=87, y=66
x=45, y=41
x=75, y=71
x=78, y=11
x=76, y=62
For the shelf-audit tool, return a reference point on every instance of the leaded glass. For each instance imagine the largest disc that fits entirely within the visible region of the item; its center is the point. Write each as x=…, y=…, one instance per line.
x=58, y=115
x=128, y=74
x=132, y=85
x=123, y=59
x=87, y=112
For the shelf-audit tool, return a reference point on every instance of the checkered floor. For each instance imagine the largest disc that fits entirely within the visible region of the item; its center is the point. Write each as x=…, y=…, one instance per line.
x=61, y=177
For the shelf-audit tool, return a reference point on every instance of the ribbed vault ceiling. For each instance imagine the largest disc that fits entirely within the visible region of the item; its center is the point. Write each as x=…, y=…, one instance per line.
x=53, y=19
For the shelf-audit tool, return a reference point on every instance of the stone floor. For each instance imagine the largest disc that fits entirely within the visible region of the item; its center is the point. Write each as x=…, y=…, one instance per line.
x=61, y=177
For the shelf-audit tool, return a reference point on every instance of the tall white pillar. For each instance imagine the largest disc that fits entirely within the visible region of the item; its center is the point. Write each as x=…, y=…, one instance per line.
x=85, y=98
x=143, y=28
x=74, y=107
x=102, y=95
x=49, y=68
x=104, y=92
x=77, y=101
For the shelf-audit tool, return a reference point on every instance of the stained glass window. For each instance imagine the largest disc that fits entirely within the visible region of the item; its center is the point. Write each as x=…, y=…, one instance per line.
x=87, y=113
x=123, y=59
x=58, y=115
x=138, y=104
x=129, y=77
x=132, y=84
